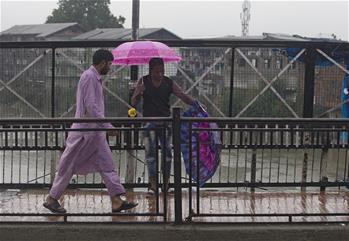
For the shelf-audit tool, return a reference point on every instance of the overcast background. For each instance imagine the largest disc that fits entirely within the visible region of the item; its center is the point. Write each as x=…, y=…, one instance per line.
x=194, y=19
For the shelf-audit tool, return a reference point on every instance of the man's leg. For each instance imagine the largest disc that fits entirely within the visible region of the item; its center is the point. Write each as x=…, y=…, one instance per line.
x=116, y=190
x=113, y=184
x=59, y=185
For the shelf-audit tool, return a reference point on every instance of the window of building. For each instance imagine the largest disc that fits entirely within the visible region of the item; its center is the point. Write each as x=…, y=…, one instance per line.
x=254, y=62
x=267, y=63
x=278, y=63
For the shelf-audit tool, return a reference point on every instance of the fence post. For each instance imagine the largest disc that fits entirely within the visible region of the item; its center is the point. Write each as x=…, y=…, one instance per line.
x=176, y=125
x=53, y=106
x=130, y=158
x=306, y=143
x=308, y=106
x=309, y=79
x=323, y=163
x=231, y=89
x=253, y=167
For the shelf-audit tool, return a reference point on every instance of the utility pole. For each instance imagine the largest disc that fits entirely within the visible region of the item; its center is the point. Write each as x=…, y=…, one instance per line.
x=135, y=19
x=135, y=35
x=131, y=161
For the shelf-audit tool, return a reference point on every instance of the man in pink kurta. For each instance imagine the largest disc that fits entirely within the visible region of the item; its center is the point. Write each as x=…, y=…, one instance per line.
x=88, y=151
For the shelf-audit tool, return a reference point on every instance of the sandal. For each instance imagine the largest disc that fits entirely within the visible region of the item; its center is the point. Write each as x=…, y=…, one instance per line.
x=54, y=207
x=125, y=205
x=151, y=192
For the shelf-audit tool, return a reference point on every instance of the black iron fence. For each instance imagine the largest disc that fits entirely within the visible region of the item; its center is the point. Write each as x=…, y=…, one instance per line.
x=255, y=154
x=233, y=78
x=237, y=78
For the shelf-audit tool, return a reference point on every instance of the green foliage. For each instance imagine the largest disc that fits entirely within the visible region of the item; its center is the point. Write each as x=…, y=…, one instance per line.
x=90, y=14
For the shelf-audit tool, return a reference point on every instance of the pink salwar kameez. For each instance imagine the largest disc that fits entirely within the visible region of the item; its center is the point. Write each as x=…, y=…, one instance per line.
x=87, y=151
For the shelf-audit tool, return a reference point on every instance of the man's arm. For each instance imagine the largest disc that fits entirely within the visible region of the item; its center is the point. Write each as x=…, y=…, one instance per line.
x=138, y=92
x=177, y=90
x=90, y=101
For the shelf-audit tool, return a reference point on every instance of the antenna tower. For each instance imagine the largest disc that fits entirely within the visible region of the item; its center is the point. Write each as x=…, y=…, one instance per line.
x=245, y=17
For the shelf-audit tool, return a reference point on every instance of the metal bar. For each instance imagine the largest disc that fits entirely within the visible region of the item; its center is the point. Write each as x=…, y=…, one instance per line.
x=135, y=19
x=333, y=61
x=21, y=98
x=338, y=45
x=26, y=68
x=253, y=168
x=203, y=75
x=177, y=165
x=309, y=76
x=183, y=185
x=231, y=86
x=197, y=163
x=165, y=175
x=203, y=94
x=53, y=78
x=157, y=178
x=190, y=150
x=269, y=84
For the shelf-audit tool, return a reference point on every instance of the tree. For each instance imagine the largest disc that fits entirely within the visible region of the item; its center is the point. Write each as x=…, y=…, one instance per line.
x=90, y=14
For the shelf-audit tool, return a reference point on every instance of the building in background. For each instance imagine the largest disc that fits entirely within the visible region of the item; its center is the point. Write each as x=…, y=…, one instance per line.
x=42, y=32
x=125, y=34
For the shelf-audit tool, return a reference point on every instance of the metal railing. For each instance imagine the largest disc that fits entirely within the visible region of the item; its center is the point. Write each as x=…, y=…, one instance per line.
x=275, y=154
x=233, y=78
x=255, y=154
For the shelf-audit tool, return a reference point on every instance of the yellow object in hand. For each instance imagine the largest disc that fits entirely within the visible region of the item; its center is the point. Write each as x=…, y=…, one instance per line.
x=132, y=112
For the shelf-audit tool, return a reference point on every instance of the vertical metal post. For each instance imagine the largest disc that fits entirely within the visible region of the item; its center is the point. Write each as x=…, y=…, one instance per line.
x=135, y=34
x=177, y=165
x=135, y=19
x=231, y=92
x=308, y=106
x=309, y=76
x=53, y=82
x=253, y=167
x=53, y=106
x=323, y=163
x=131, y=161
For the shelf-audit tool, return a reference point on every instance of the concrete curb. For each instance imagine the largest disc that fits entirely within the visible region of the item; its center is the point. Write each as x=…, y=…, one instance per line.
x=157, y=232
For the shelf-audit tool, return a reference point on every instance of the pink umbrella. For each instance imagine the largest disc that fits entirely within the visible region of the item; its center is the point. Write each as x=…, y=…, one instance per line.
x=140, y=52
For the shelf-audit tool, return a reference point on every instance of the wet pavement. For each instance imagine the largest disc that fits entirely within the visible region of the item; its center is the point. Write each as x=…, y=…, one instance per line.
x=97, y=202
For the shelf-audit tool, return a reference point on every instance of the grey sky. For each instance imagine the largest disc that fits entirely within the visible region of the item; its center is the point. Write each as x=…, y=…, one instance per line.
x=191, y=19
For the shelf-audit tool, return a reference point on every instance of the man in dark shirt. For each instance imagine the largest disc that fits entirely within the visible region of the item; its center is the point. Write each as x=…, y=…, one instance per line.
x=156, y=90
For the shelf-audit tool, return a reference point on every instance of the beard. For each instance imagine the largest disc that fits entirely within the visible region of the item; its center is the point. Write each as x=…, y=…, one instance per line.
x=104, y=71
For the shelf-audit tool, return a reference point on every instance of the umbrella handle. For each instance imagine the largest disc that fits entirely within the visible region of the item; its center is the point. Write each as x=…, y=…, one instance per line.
x=142, y=84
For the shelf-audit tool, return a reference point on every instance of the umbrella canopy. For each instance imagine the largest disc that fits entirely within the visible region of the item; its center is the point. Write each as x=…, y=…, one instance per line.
x=140, y=52
x=205, y=146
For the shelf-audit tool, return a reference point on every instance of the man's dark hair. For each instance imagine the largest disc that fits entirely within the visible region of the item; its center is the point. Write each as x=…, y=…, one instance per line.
x=102, y=54
x=155, y=62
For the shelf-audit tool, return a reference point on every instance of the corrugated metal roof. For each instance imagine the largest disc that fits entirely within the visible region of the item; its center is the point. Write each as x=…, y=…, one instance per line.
x=115, y=33
x=276, y=36
x=233, y=37
x=41, y=30
x=286, y=37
